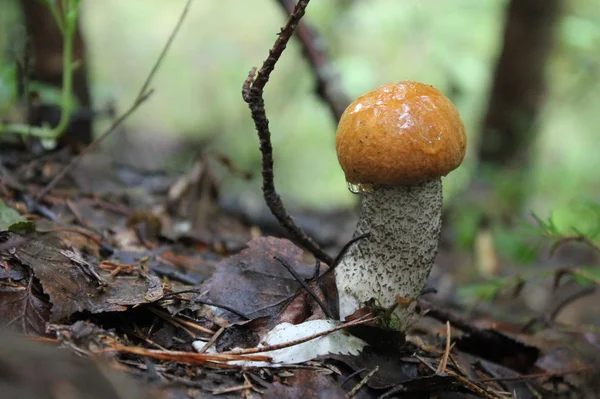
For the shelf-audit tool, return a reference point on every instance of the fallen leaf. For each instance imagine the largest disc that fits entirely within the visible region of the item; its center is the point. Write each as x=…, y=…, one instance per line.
x=23, y=308
x=253, y=282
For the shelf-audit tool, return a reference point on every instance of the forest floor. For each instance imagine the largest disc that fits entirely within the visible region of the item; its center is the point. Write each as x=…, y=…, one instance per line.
x=143, y=285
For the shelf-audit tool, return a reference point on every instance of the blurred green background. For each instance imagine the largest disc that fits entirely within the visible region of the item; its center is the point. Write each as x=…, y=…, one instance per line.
x=452, y=44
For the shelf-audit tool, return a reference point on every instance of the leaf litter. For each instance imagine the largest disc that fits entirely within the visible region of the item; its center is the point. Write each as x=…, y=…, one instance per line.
x=183, y=314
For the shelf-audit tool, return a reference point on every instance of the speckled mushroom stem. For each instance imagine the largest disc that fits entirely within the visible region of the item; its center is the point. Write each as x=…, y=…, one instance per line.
x=404, y=223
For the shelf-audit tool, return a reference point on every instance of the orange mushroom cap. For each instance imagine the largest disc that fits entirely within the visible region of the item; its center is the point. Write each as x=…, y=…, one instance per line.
x=400, y=134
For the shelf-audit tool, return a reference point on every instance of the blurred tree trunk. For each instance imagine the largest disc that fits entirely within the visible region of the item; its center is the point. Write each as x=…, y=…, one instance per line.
x=46, y=44
x=516, y=98
x=519, y=86
x=499, y=192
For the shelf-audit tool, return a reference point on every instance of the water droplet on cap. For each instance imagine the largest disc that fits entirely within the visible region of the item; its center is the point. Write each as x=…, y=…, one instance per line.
x=359, y=188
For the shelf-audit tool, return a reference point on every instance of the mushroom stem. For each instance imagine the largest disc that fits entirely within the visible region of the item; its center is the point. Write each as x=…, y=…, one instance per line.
x=393, y=264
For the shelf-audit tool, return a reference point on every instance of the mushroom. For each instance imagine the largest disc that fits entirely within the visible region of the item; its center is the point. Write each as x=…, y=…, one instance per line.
x=394, y=144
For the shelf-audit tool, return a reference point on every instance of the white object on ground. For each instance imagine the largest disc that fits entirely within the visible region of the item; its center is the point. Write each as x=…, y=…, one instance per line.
x=338, y=342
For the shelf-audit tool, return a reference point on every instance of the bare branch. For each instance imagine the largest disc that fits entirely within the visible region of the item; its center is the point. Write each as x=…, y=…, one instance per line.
x=252, y=93
x=328, y=87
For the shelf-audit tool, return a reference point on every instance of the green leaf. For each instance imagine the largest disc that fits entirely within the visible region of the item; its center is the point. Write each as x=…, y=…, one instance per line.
x=11, y=220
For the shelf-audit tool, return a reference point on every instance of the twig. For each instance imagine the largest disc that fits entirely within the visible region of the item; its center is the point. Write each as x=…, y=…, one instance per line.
x=466, y=383
x=362, y=383
x=548, y=374
x=328, y=87
x=442, y=366
x=301, y=281
x=582, y=273
x=351, y=376
x=58, y=16
x=247, y=380
x=220, y=306
x=570, y=299
x=206, y=302
x=342, y=252
x=142, y=96
x=574, y=238
x=177, y=324
x=212, y=340
x=473, y=387
x=346, y=247
x=549, y=317
x=186, y=323
x=236, y=388
x=166, y=48
x=216, y=360
x=252, y=92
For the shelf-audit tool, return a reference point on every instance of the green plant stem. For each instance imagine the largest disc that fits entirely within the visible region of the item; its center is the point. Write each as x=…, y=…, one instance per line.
x=70, y=13
x=67, y=24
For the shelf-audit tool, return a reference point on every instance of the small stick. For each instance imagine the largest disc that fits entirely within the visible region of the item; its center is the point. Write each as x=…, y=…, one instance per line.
x=216, y=360
x=212, y=340
x=362, y=383
x=574, y=238
x=351, y=376
x=75, y=211
x=175, y=322
x=342, y=252
x=186, y=323
x=548, y=374
x=476, y=389
x=209, y=303
x=570, y=299
x=236, y=388
x=301, y=281
x=252, y=92
x=255, y=389
x=442, y=367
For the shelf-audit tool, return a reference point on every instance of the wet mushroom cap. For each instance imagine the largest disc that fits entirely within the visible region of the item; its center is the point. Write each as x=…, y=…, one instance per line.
x=400, y=134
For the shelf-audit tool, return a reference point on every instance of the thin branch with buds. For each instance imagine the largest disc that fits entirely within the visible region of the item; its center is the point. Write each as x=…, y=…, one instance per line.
x=252, y=93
